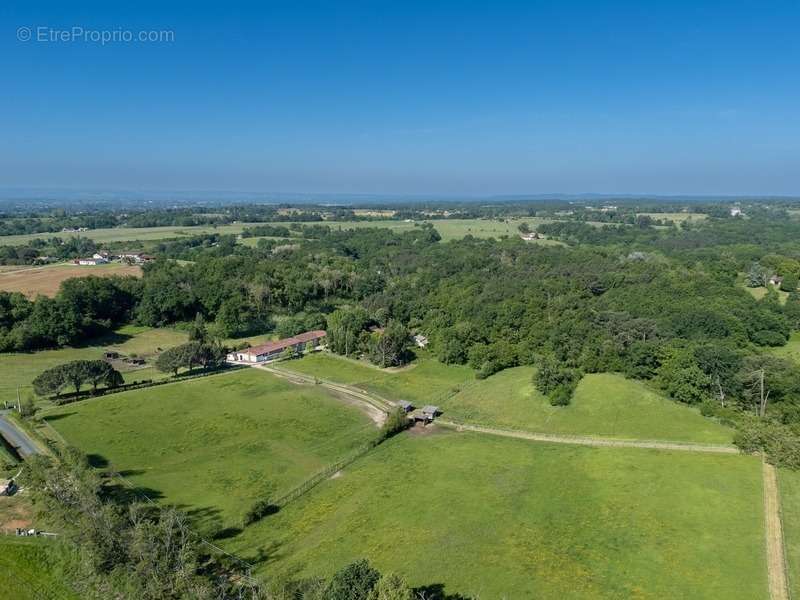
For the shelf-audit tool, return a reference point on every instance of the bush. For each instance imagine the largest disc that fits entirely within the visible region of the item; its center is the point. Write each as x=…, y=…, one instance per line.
x=396, y=421
x=768, y=338
x=562, y=395
x=780, y=443
x=259, y=510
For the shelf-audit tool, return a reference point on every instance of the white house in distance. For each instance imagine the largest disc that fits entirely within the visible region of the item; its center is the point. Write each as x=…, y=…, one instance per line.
x=272, y=350
x=736, y=211
x=93, y=261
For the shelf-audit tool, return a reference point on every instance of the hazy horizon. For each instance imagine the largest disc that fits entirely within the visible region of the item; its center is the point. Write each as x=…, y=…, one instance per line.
x=435, y=99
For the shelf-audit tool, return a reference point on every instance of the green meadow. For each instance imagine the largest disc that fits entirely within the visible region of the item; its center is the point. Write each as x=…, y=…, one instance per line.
x=791, y=350
x=424, y=381
x=31, y=569
x=216, y=444
x=605, y=404
x=18, y=369
x=492, y=517
x=789, y=484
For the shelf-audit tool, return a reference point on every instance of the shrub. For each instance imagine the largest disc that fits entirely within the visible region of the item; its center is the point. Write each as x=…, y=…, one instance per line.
x=562, y=395
x=260, y=509
x=396, y=421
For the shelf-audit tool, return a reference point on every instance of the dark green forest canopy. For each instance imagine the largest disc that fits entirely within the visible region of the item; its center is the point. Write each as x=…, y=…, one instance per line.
x=666, y=303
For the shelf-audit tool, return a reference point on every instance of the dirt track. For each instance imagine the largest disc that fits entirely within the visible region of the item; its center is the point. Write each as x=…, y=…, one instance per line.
x=591, y=441
x=776, y=560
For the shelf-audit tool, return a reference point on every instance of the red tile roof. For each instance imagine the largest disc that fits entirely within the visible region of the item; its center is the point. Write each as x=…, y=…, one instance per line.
x=270, y=347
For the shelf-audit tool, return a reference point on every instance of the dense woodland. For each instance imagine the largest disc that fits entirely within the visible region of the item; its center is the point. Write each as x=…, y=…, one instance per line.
x=662, y=304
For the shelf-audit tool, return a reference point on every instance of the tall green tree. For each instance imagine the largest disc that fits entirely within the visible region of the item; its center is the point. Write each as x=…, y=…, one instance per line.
x=345, y=326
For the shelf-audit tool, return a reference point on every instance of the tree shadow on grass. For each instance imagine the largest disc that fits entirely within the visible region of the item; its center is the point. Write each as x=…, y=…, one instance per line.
x=436, y=591
x=60, y=416
x=263, y=555
x=108, y=338
x=126, y=495
x=97, y=461
x=206, y=520
x=226, y=533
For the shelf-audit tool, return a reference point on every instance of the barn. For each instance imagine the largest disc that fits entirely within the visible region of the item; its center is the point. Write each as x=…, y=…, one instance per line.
x=272, y=350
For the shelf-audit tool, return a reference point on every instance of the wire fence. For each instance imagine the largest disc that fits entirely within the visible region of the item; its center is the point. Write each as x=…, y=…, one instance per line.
x=322, y=475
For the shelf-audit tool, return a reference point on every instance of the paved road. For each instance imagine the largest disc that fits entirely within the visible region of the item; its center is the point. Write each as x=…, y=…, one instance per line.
x=18, y=438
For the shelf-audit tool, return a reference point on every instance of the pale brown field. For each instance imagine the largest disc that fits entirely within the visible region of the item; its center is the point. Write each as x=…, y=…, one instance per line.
x=33, y=281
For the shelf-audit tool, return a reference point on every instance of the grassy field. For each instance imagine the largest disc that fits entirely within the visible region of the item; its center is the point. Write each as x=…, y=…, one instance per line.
x=215, y=445
x=124, y=234
x=759, y=292
x=425, y=381
x=448, y=228
x=791, y=350
x=19, y=368
x=499, y=518
x=789, y=483
x=46, y=280
x=30, y=570
x=678, y=218
x=606, y=405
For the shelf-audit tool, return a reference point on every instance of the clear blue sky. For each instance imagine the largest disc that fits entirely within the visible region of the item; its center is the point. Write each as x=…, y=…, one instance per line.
x=407, y=97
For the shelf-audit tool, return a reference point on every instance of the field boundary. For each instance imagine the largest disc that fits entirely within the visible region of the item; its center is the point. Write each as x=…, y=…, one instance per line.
x=320, y=476
x=120, y=389
x=371, y=398
x=588, y=440
x=777, y=567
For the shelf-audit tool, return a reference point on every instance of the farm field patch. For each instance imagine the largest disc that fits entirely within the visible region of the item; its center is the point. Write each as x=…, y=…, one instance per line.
x=124, y=234
x=604, y=404
x=491, y=518
x=217, y=444
x=46, y=280
x=448, y=228
x=678, y=217
x=20, y=368
x=424, y=381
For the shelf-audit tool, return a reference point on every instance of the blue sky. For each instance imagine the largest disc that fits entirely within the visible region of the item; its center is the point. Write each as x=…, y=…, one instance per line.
x=446, y=98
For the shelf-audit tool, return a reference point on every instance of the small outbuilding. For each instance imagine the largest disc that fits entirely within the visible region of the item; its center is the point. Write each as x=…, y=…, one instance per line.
x=406, y=406
x=430, y=411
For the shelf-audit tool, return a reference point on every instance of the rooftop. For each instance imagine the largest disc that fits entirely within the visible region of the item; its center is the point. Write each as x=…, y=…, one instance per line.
x=285, y=343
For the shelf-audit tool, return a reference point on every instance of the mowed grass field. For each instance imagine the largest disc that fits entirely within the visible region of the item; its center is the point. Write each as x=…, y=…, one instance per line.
x=31, y=570
x=604, y=405
x=215, y=445
x=423, y=382
x=33, y=281
x=789, y=485
x=20, y=368
x=492, y=517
